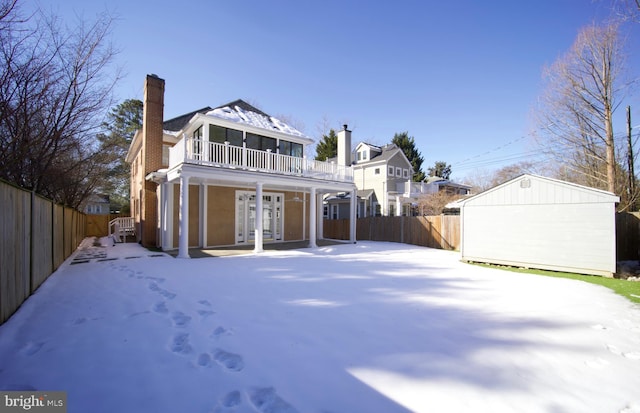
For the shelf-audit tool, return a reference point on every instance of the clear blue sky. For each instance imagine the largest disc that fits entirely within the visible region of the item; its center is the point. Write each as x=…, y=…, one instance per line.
x=459, y=76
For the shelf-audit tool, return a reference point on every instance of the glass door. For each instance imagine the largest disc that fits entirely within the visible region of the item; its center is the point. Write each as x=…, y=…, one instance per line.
x=246, y=215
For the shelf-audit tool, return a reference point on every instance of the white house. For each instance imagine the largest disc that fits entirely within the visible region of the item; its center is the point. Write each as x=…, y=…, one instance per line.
x=537, y=222
x=380, y=173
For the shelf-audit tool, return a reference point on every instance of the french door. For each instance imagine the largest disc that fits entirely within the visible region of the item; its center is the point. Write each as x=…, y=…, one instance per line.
x=271, y=215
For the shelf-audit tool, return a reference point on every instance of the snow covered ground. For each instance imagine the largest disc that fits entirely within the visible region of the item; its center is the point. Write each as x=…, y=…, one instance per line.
x=371, y=327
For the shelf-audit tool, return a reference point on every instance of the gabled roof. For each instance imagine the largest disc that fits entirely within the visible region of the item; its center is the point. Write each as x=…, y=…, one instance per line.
x=241, y=112
x=544, y=191
x=179, y=122
x=387, y=152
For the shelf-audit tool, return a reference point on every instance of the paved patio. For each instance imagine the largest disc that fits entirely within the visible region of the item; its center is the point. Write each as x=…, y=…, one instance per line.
x=248, y=249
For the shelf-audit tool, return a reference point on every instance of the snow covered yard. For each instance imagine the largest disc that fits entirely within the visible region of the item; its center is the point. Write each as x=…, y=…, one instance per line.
x=371, y=327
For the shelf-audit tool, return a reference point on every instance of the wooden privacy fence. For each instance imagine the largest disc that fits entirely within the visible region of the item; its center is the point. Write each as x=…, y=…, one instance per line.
x=628, y=236
x=36, y=236
x=98, y=225
x=440, y=231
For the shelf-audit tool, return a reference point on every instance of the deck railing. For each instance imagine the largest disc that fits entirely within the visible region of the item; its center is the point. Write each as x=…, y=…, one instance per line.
x=122, y=227
x=200, y=152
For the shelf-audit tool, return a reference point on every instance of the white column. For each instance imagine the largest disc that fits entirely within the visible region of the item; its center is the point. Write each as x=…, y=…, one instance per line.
x=259, y=231
x=165, y=215
x=353, y=202
x=183, y=238
x=171, y=211
x=398, y=206
x=320, y=215
x=313, y=221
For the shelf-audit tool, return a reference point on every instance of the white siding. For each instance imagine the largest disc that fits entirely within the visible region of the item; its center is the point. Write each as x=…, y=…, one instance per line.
x=547, y=224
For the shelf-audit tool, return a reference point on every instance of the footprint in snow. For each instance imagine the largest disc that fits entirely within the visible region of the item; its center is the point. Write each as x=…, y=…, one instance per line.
x=632, y=408
x=228, y=402
x=180, y=319
x=31, y=348
x=229, y=361
x=205, y=313
x=615, y=350
x=205, y=302
x=266, y=400
x=79, y=321
x=161, y=308
x=219, y=332
x=180, y=344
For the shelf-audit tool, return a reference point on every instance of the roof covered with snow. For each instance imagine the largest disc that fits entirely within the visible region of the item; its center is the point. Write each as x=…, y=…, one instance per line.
x=241, y=112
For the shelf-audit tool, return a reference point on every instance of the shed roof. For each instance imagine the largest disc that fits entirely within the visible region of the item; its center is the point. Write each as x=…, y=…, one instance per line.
x=528, y=189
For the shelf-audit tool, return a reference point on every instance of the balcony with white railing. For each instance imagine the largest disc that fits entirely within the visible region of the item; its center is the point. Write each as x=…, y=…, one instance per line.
x=200, y=152
x=415, y=189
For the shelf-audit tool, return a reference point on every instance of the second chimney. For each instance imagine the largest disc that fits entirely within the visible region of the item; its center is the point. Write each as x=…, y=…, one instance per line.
x=344, y=147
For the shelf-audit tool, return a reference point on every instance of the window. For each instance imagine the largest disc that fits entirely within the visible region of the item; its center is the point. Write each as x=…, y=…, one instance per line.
x=399, y=172
x=261, y=143
x=220, y=134
x=364, y=155
x=406, y=173
x=391, y=171
x=376, y=171
x=165, y=155
x=359, y=156
x=197, y=143
x=197, y=134
x=291, y=149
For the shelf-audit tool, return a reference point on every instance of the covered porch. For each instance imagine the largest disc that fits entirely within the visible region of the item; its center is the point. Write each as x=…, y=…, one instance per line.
x=205, y=207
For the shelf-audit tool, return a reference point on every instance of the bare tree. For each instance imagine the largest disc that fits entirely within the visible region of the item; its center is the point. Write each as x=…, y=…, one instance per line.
x=434, y=204
x=576, y=112
x=55, y=86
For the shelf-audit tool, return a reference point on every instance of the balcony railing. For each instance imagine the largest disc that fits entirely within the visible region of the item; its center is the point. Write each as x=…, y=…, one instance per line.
x=415, y=189
x=200, y=152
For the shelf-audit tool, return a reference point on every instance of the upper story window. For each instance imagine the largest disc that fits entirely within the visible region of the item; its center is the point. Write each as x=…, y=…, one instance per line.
x=220, y=134
x=291, y=149
x=197, y=134
x=376, y=171
x=398, y=172
x=165, y=154
x=406, y=173
x=364, y=155
x=261, y=143
x=391, y=171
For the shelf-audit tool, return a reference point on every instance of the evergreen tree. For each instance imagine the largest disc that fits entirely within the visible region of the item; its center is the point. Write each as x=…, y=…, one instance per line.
x=440, y=169
x=327, y=147
x=408, y=146
x=122, y=123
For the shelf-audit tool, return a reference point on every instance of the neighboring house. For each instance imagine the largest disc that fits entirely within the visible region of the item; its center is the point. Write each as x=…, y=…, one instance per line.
x=380, y=174
x=230, y=175
x=538, y=222
x=96, y=204
x=437, y=184
x=383, y=177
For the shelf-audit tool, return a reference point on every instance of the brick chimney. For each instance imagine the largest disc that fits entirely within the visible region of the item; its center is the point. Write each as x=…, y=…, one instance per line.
x=152, y=118
x=344, y=147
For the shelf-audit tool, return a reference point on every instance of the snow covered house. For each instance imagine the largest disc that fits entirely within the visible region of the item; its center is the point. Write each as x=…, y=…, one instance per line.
x=537, y=222
x=230, y=175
